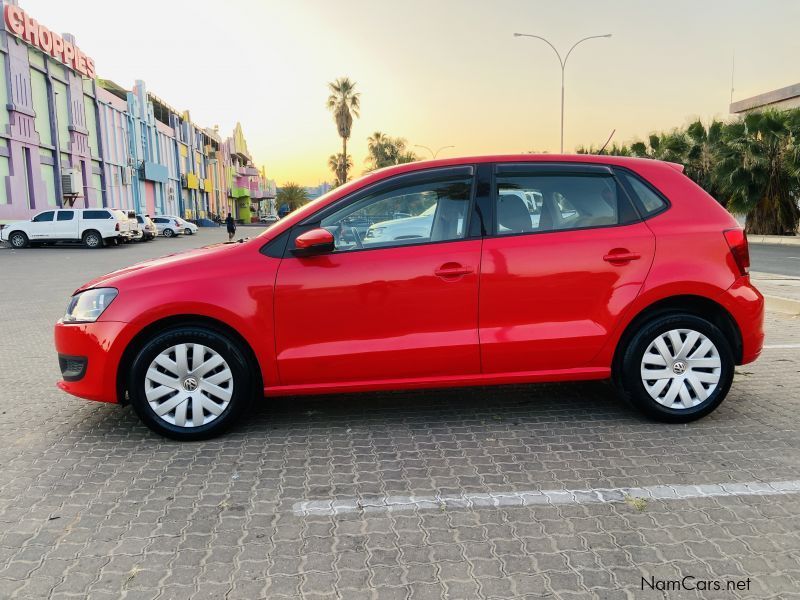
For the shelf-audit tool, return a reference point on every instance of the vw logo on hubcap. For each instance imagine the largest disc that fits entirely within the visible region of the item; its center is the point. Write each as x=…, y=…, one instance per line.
x=679, y=368
x=190, y=384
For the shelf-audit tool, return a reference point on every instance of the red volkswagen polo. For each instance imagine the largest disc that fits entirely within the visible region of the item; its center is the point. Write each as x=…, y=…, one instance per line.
x=457, y=272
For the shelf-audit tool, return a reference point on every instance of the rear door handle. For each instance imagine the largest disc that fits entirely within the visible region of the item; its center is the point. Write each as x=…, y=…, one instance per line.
x=451, y=270
x=621, y=256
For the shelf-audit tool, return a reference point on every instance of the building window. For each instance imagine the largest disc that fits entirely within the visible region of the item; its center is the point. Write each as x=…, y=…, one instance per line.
x=49, y=177
x=41, y=107
x=62, y=114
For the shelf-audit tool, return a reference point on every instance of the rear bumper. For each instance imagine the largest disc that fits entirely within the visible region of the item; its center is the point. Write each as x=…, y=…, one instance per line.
x=746, y=304
x=98, y=346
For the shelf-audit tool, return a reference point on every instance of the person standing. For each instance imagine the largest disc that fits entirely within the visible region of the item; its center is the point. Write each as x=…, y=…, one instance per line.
x=230, y=224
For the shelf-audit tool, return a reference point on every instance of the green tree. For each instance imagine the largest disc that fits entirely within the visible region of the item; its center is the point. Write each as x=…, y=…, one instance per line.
x=758, y=170
x=338, y=163
x=344, y=102
x=292, y=195
x=385, y=151
x=701, y=155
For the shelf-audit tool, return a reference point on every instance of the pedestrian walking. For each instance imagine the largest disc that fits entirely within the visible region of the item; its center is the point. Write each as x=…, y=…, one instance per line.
x=231, y=225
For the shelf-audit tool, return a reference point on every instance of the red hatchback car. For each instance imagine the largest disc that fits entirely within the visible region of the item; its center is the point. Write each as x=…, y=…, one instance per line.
x=458, y=272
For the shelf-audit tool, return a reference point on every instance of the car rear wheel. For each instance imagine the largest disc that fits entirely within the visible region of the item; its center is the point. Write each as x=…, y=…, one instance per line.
x=169, y=233
x=677, y=368
x=92, y=239
x=18, y=239
x=189, y=383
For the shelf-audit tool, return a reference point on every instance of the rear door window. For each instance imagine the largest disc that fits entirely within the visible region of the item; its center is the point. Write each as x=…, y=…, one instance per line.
x=65, y=215
x=536, y=202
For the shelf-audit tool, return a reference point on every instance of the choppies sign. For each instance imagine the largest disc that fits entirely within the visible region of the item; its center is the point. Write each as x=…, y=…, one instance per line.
x=20, y=24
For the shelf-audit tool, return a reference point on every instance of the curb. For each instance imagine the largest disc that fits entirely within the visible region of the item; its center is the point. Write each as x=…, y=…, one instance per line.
x=782, y=305
x=775, y=240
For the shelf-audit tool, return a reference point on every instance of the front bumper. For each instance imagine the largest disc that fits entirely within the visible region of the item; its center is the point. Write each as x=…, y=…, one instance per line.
x=99, y=346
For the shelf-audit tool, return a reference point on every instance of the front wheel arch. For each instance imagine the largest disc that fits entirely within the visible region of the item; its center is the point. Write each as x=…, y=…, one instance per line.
x=147, y=332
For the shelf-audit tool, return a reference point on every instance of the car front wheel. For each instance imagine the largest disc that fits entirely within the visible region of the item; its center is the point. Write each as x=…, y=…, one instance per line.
x=187, y=231
x=189, y=383
x=677, y=368
x=18, y=239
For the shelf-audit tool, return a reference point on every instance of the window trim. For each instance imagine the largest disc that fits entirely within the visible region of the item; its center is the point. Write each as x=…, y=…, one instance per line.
x=555, y=168
x=386, y=185
x=635, y=200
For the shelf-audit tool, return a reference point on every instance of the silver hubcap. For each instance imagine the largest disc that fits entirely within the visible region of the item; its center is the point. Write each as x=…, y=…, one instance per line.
x=18, y=241
x=91, y=240
x=188, y=385
x=681, y=368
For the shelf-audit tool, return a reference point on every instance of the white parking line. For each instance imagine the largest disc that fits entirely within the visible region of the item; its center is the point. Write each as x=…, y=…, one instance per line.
x=543, y=497
x=780, y=346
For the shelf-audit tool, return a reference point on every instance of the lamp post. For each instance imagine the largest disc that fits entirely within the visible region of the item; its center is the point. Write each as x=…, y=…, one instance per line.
x=433, y=154
x=563, y=63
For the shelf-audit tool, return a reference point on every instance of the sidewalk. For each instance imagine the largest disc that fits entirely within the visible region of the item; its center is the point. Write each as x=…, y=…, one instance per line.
x=781, y=292
x=780, y=240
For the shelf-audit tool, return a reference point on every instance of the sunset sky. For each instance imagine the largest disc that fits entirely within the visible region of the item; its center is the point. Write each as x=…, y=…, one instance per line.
x=434, y=72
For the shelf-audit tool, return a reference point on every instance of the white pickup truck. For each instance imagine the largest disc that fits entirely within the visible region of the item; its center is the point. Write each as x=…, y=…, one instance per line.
x=92, y=226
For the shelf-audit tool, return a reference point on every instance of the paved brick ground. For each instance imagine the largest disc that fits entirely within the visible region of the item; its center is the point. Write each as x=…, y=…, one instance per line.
x=93, y=505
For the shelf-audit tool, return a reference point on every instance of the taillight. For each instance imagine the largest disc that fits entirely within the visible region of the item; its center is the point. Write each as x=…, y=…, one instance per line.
x=177, y=224
x=737, y=242
x=116, y=227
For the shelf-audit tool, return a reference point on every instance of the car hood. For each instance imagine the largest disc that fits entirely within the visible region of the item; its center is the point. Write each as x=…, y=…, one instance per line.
x=180, y=262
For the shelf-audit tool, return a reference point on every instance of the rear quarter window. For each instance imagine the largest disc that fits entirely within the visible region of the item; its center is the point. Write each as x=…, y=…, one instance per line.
x=647, y=200
x=96, y=214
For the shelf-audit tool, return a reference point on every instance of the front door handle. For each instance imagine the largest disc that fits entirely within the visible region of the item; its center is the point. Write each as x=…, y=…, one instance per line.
x=621, y=256
x=452, y=270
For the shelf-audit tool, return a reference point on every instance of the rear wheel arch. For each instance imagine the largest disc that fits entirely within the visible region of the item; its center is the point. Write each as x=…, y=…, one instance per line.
x=156, y=327
x=698, y=306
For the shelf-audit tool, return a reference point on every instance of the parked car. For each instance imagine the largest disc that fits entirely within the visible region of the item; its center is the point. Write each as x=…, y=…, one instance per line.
x=185, y=226
x=632, y=273
x=269, y=219
x=129, y=228
x=149, y=229
x=168, y=226
x=92, y=226
x=401, y=227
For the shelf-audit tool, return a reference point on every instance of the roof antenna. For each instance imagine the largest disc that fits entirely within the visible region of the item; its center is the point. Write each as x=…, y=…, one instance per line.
x=613, y=131
x=733, y=68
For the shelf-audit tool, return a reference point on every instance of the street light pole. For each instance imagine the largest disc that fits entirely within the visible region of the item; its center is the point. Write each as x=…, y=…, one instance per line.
x=563, y=63
x=433, y=154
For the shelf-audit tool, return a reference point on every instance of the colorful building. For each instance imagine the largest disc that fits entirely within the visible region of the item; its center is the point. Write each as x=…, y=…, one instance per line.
x=68, y=138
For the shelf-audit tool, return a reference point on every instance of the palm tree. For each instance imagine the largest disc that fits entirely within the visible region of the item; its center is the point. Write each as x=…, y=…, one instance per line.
x=385, y=151
x=337, y=163
x=759, y=168
x=344, y=102
x=703, y=145
x=292, y=195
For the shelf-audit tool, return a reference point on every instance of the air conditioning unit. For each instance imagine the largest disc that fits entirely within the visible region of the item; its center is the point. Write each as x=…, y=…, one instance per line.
x=171, y=193
x=71, y=182
x=126, y=175
x=184, y=182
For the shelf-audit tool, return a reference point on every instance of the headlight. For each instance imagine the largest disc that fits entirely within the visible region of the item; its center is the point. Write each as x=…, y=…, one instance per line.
x=86, y=307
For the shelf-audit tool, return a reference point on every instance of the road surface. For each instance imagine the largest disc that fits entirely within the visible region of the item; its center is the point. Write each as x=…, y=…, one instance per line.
x=781, y=260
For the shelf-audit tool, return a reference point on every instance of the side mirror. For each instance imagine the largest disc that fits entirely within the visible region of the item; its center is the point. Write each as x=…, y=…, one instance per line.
x=316, y=241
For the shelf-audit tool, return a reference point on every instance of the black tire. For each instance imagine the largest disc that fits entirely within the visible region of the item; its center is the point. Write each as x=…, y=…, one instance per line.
x=168, y=233
x=187, y=231
x=629, y=379
x=227, y=348
x=92, y=239
x=18, y=240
